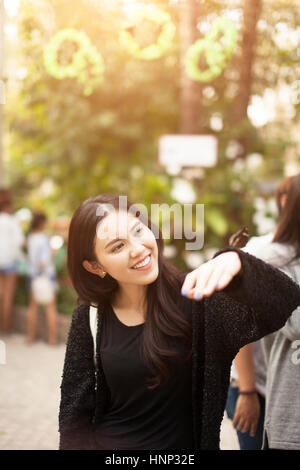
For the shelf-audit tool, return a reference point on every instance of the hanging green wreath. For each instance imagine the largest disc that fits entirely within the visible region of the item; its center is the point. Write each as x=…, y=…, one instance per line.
x=155, y=50
x=213, y=56
x=227, y=29
x=215, y=53
x=86, y=64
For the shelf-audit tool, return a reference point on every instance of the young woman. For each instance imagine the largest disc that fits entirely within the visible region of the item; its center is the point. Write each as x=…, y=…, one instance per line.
x=40, y=261
x=11, y=243
x=165, y=340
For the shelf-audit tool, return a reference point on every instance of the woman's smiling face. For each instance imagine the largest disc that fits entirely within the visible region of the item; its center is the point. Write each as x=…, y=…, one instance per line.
x=123, y=241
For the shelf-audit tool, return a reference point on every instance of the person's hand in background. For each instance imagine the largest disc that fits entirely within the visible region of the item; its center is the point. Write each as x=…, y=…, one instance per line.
x=247, y=413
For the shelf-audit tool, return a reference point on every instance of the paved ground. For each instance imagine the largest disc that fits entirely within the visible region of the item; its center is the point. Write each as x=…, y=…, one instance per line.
x=30, y=393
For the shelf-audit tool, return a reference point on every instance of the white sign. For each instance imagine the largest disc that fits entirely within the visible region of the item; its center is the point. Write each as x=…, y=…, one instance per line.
x=188, y=151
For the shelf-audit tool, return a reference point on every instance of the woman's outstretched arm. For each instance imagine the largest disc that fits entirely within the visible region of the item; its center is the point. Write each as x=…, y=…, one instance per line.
x=77, y=403
x=251, y=298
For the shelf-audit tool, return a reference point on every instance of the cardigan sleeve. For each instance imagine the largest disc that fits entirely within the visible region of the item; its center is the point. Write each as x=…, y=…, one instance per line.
x=78, y=400
x=257, y=302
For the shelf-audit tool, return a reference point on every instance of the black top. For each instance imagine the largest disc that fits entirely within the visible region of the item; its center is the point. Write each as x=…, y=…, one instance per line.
x=139, y=418
x=256, y=302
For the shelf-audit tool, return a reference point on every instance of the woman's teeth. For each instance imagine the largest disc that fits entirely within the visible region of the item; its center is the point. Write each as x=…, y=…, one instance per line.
x=144, y=263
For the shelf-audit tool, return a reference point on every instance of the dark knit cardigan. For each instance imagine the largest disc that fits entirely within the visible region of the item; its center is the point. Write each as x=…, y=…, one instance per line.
x=257, y=302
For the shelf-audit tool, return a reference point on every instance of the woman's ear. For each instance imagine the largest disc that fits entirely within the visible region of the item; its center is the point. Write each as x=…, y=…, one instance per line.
x=93, y=267
x=283, y=200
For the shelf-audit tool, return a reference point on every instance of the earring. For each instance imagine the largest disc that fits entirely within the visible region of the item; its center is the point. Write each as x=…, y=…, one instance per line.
x=103, y=274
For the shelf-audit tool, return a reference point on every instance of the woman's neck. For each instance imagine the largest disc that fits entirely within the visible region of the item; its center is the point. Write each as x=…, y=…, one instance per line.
x=133, y=298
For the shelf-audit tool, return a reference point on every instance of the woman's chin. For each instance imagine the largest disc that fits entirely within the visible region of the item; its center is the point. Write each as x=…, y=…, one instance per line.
x=146, y=277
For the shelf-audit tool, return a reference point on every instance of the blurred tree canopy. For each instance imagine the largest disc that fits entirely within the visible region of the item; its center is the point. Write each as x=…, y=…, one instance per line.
x=80, y=145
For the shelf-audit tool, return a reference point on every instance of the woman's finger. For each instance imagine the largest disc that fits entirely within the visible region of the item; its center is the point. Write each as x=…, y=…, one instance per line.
x=203, y=279
x=235, y=420
x=241, y=425
x=189, y=283
x=213, y=282
x=245, y=426
x=199, y=275
x=253, y=429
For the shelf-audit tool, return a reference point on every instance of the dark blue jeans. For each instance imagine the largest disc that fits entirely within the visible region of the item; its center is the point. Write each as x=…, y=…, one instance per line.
x=245, y=440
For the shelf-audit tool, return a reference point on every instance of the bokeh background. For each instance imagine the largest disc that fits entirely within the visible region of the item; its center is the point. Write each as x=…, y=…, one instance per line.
x=61, y=145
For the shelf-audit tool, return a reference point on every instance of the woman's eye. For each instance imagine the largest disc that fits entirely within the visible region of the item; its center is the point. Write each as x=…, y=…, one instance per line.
x=117, y=247
x=121, y=244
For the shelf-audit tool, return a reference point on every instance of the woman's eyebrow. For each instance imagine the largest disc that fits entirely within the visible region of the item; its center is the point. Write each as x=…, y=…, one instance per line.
x=117, y=239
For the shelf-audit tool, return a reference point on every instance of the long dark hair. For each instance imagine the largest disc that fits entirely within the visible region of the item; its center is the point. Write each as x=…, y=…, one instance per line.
x=164, y=319
x=288, y=227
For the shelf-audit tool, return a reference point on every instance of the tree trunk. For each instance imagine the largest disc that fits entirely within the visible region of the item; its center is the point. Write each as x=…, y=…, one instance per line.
x=252, y=10
x=190, y=91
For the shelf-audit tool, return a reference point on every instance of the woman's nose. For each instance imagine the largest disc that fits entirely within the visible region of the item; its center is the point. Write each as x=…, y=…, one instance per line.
x=136, y=249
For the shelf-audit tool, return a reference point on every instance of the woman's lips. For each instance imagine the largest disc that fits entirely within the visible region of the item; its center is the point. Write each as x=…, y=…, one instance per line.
x=144, y=268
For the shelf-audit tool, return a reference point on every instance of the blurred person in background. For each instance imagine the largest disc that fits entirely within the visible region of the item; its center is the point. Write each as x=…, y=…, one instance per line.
x=11, y=242
x=282, y=417
x=40, y=261
x=253, y=380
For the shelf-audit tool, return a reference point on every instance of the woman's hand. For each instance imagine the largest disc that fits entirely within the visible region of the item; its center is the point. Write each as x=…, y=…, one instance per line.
x=213, y=275
x=246, y=414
